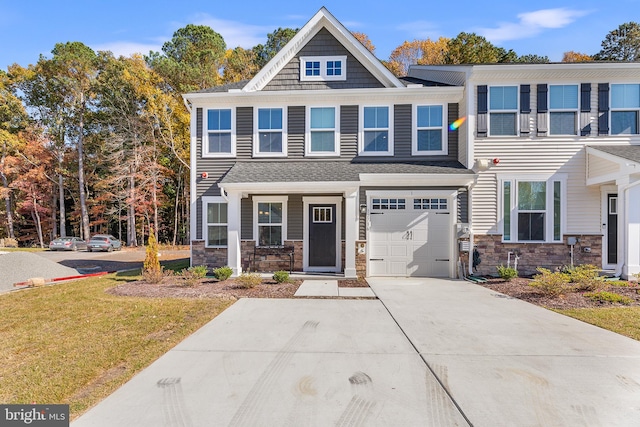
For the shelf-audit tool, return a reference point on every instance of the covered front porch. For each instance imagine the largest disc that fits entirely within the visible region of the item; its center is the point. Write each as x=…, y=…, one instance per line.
x=615, y=169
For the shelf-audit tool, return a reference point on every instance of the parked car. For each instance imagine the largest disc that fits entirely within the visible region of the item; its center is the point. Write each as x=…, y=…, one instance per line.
x=67, y=244
x=104, y=242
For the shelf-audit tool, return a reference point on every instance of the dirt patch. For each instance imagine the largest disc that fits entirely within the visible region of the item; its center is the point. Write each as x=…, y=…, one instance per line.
x=520, y=288
x=206, y=288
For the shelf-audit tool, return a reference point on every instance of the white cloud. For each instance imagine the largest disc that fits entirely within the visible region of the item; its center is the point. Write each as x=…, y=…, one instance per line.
x=236, y=33
x=126, y=49
x=420, y=30
x=532, y=23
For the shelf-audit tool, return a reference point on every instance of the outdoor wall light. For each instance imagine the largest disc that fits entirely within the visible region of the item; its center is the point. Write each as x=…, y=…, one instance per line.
x=363, y=209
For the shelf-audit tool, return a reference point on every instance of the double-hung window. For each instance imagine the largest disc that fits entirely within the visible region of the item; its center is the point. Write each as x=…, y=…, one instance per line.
x=270, y=214
x=322, y=131
x=215, y=221
x=532, y=209
x=323, y=68
x=429, y=132
x=625, y=108
x=503, y=110
x=220, y=141
x=271, y=137
x=563, y=109
x=376, y=131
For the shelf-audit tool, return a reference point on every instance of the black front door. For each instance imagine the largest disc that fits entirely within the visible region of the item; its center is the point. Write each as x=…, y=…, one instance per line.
x=322, y=235
x=612, y=228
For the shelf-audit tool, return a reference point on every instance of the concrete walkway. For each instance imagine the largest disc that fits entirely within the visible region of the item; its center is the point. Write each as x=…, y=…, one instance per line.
x=427, y=353
x=330, y=288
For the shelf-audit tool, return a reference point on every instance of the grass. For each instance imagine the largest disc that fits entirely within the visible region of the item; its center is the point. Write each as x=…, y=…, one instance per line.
x=622, y=320
x=46, y=248
x=73, y=343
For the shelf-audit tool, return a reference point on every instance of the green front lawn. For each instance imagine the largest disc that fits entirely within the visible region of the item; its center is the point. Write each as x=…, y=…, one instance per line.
x=622, y=320
x=73, y=343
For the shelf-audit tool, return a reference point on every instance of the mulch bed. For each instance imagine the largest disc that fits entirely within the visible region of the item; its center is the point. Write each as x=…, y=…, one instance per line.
x=519, y=288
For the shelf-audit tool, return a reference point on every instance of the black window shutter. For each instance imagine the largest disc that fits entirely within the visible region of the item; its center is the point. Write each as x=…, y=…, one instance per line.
x=525, y=99
x=585, y=97
x=542, y=98
x=482, y=99
x=603, y=108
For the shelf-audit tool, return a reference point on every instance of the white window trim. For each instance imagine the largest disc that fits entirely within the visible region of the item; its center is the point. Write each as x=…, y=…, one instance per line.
x=323, y=77
x=576, y=111
x=415, y=129
x=205, y=138
x=256, y=131
x=549, y=179
x=361, y=130
x=613, y=109
x=205, y=224
x=516, y=111
x=336, y=131
x=270, y=199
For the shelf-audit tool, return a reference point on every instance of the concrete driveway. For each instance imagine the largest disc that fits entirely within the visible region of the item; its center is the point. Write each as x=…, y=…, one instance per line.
x=428, y=353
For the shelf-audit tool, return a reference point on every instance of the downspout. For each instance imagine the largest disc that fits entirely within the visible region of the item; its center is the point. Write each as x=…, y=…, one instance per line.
x=625, y=235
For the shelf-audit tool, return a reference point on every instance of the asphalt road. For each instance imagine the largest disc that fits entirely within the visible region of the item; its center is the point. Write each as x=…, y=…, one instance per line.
x=94, y=262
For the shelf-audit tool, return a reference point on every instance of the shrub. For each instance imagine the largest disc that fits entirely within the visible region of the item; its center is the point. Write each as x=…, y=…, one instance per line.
x=199, y=271
x=249, y=280
x=151, y=264
x=223, y=273
x=507, y=273
x=153, y=276
x=551, y=283
x=281, y=276
x=189, y=276
x=585, y=277
x=8, y=242
x=608, y=297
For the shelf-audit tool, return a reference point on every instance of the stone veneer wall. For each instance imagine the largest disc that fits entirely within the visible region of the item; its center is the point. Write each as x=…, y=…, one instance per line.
x=361, y=259
x=271, y=262
x=211, y=257
x=493, y=252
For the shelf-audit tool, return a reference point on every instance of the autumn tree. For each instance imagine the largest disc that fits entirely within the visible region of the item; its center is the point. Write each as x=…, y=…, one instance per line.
x=366, y=42
x=192, y=59
x=421, y=52
x=621, y=44
x=470, y=48
x=275, y=41
x=572, y=56
x=239, y=64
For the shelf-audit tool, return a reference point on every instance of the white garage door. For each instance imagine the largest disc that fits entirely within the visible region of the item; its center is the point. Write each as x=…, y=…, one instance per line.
x=409, y=237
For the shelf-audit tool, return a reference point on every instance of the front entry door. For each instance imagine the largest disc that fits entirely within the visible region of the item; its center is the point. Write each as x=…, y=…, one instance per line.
x=612, y=229
x=322, y=236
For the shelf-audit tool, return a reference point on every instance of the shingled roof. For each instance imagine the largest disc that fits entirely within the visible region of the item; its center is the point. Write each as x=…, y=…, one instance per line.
x=327, y=171
x=629, y=152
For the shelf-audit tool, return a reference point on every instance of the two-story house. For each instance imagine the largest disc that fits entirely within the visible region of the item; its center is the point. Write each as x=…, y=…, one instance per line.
x=326, y=162
x=325, y=159
x=557, y=151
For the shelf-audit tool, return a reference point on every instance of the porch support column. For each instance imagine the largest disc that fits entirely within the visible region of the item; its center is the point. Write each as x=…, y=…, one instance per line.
x=234, y=257
x=630, y=228
x=351, y=232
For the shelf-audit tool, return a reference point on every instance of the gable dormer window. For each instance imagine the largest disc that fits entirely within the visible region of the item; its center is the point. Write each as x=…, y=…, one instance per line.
x=323, y=68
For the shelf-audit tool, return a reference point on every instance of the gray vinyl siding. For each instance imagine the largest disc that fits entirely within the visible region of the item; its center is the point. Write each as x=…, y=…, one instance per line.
x=246, y=219
x=295, y=217
x=323, y=44
x=402, y=133
x=348, y=131
x=244, y=132
x=295, y=132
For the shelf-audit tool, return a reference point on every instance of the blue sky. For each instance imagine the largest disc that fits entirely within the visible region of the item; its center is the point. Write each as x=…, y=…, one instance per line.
x=31, y=28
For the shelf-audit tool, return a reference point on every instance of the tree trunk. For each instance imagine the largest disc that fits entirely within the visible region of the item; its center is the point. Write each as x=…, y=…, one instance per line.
x=131, y=213
x=176, y=208
x=7, y=196
x=36, y=217
x=54, y=222
x=63, y=213
x=83, y=196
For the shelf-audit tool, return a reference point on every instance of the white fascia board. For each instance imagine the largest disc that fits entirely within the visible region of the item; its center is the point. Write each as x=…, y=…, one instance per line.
x=417, y=179
x=405, y=95
x=290, y=187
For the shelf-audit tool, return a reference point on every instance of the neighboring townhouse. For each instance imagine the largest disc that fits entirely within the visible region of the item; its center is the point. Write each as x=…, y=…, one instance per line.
x=326, y=162
x=557, y=151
